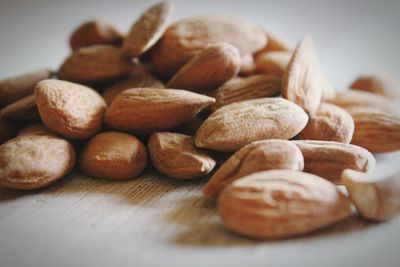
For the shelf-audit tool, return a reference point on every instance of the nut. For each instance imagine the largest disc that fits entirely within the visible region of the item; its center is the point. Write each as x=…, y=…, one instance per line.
x=274, y=63
x=8, y=130
x=380, y=83
x=23, y=110
x=35, y=128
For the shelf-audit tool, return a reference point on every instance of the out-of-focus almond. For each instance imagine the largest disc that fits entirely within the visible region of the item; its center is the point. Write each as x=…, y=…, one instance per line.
x=274, y=63
x=380, y=83
x=247, y=66
x=23, y=110
x=275, y=44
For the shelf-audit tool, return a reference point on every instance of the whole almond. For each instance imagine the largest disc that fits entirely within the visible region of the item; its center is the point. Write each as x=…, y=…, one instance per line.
x=379, y=83
x=274, y=63
x=176, y=156
x=34, y=161
x=329, y=159
x=376, y=130
x=15, y=88
x=236, y=125
x=8, y=129
x=187, y=37
x=148, y=29
x=257, y=156
x=94, y=32
x=329, y=123
x=72, y=110
x=208, y=69
x=94, y=64
x=34, y=129
x=275, y=44
x=281, y=203
x=240, y=89
x=301, y=82
x=113, y=156
x=154, y=109
x=24, y=109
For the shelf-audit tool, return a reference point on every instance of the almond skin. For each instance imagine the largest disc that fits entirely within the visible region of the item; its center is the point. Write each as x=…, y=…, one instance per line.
x=154, y=109
x=95, y=32
x=257, y=156
x=379, y=83
x=301, y=82
x=34, y=161
x=208, y=69
x=329, y=159
x=94, y=64
x=274, y=63
x=236, y=125
x=148, y=29
x=113, y=156
x=281, y=203
x=22, y=110
x=72, y=110
x=176, y=156
x=329, y=123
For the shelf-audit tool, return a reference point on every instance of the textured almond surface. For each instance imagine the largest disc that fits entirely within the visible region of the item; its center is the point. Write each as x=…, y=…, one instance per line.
x=236, y=125
x=94, y=32
x=379, y=83
x=301, y=82
x=24, y=109
x=329, y=123
x=281, y=203
x=273, y=63
x=113, y=156
x=98, y=63
x=257, y=156
x=187, y=37
x=208, y=69
x=34, y=161
x=72, y=110
x=8, y=129
x=176, y=156
x=145, y=110
x=240, y=89
x=148, y=29
x=329, y=159
x=375, y=130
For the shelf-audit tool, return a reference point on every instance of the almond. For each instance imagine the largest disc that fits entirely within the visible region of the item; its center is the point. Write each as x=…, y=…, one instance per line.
x=247, y=66
x=275, y=44
x=35, y=128
x=176, y=156
x=329, y=123
x=380, y=83
x=148, y=29
x=191, y=127
x=208, y=69
x=236, y=125
x=8, y=129
x=273, y=63
x=328, y=91
x=281, y=203
x=154, y=109
x=329, y=159
x=34, y=161
x=301, y=82
x=376, y=130
x=23, y=110
x=72, y=110
x=257, y=156
x=94, y=64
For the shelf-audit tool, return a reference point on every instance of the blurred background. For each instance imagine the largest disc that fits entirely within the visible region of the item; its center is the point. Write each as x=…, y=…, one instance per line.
x=352, y=37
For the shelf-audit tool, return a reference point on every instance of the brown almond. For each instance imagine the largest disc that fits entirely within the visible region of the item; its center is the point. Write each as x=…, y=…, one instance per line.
x=281, y=203
x=72, y=110
x=329, y=159
x=95, y=32
x=379, y=83
x=8, y=130
x=238, y=124
x=257, y=156
x=154, y=109
x=94, y=64
x=176, y=156
x=301, y=82
x=274, y=63
x=24, y=109
x=329, y=123
x=208, y=69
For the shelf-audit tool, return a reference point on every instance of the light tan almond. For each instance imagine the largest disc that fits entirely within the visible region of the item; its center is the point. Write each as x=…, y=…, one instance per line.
x=208, y=69
x=95, y=32
x=376, y=198
x=236, y=125
x=281, y=203
x=94, y=64
x=34, y=161
x=247, y=66
x=8, y=130
x=22, y=110
x=329, y=159
x=275, y=44
x=176, y=156
x=148, y=29
x=329, y=123
x=240, y=89
x=273, y=63
x=15, y=88
x=301, y=82
x=72, y=110
x=376, y=130
x=154, y=109
x=37, y=128
x=187, y=37
x=379, y=83
x=257, y=156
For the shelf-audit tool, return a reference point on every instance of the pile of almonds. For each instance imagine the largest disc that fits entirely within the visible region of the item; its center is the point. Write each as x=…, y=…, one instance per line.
x=208, y=95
